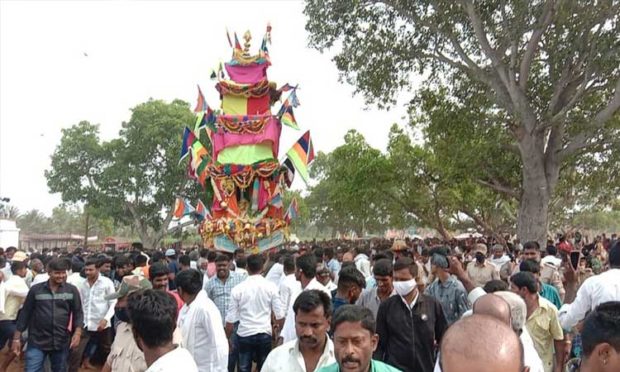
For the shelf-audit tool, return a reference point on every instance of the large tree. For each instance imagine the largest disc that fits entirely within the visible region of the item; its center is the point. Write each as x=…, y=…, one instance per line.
x=549, y=70
x=348, y=196
x=132, y=179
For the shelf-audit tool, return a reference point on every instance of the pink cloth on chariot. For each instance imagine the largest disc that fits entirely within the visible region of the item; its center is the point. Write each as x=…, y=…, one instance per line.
x=271, y=133
x=247, y=74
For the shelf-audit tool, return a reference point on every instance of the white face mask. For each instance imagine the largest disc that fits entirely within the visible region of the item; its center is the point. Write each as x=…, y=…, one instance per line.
x=404, y=288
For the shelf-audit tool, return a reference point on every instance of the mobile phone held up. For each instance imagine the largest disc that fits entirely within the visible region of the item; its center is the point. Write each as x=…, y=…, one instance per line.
x=574, y=259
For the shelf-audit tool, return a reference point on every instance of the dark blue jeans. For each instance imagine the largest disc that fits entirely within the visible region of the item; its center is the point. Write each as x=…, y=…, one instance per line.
x=35, y=358
x=233, y=353
x=7, y=329
x=256, y=348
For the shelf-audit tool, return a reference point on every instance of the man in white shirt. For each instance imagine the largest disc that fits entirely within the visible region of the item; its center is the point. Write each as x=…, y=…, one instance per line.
x=276, y=273
x=201, y=324
x=289, y=286
x=8, y=255
x=15, y=291
x=153, y=315
x=362, y=262
x=312, y=349
x=594, y=291
x=305, y=273
x=76, y=278
x=98, y=313
x=251, y=304
x=323, y=275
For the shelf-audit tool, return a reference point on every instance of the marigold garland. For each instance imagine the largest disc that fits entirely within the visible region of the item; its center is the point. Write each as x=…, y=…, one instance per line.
x=243, y=124
x=245, y=90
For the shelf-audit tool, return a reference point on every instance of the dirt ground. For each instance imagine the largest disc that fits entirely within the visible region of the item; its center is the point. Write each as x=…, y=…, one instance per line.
x=18, y=364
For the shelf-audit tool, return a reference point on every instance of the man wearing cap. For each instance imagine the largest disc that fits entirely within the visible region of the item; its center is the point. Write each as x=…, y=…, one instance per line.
x=125, y=355
x=481, y=271
x=98, y=312
x=447, y=290
x=173, y=266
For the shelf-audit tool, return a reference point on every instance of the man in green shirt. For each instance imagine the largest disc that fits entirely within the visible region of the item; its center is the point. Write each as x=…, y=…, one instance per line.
x=355, y=340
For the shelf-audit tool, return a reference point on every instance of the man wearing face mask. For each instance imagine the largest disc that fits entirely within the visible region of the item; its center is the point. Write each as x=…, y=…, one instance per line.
x=481, y=271
x=410, y=324
x=125, y=356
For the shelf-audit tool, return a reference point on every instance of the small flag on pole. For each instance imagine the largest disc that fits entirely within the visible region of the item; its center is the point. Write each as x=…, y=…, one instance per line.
x=292, y=98
x=286, y=87
x=292, y=211
x=237, y=43
x=228, y=37
x=302, y=154
x=201, y=211
x=276, y=201
x=290, y=172
x=201, y=103
x=288, y=118
x=182, y=208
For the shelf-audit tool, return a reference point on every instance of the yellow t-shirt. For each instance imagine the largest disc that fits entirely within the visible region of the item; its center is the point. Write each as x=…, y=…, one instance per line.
x=544, y=327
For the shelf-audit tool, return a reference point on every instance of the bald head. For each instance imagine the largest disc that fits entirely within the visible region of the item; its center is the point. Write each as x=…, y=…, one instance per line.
x=493, y=306
x=495, y=346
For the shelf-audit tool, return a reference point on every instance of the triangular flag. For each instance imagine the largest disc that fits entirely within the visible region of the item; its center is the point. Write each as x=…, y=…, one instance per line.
x=302, y=154
x=188, y=138
x=201, y=103
x=237, y=44
x=228, y=37
x=292, y=211
x=290, y=172
x=182, y=208
x=276, y=201
x=202, y=211
x=286, y=87
x=288, y=118
x=205, y=119
x=292, y=98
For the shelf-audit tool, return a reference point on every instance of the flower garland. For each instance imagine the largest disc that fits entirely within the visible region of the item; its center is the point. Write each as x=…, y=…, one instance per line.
x=243, y=232
x=242, y=175
x=242, y=124
x=245, y=90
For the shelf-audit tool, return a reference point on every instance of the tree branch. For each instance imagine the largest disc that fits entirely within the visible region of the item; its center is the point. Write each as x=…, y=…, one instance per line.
x=532, y=45
x=500, y=188
x=606, y=113
x=468, y=66
x=582, y=140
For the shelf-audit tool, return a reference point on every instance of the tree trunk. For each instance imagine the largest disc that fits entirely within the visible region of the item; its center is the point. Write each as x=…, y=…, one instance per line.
x=533, y=219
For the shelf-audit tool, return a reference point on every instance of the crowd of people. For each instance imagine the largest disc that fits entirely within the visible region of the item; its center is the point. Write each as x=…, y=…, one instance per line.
x=486, y=304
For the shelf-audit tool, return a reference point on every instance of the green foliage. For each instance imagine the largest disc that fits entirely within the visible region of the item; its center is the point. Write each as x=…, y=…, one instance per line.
x=347, y=196
x=516, y=92
x=67, y=219
x=132, y=179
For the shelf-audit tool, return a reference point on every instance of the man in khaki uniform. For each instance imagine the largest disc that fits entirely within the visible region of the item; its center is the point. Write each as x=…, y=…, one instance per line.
x=125, y=356
x=480, y=270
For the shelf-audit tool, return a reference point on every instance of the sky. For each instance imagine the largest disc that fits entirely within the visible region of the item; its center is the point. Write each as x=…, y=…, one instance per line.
x=66, y=61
